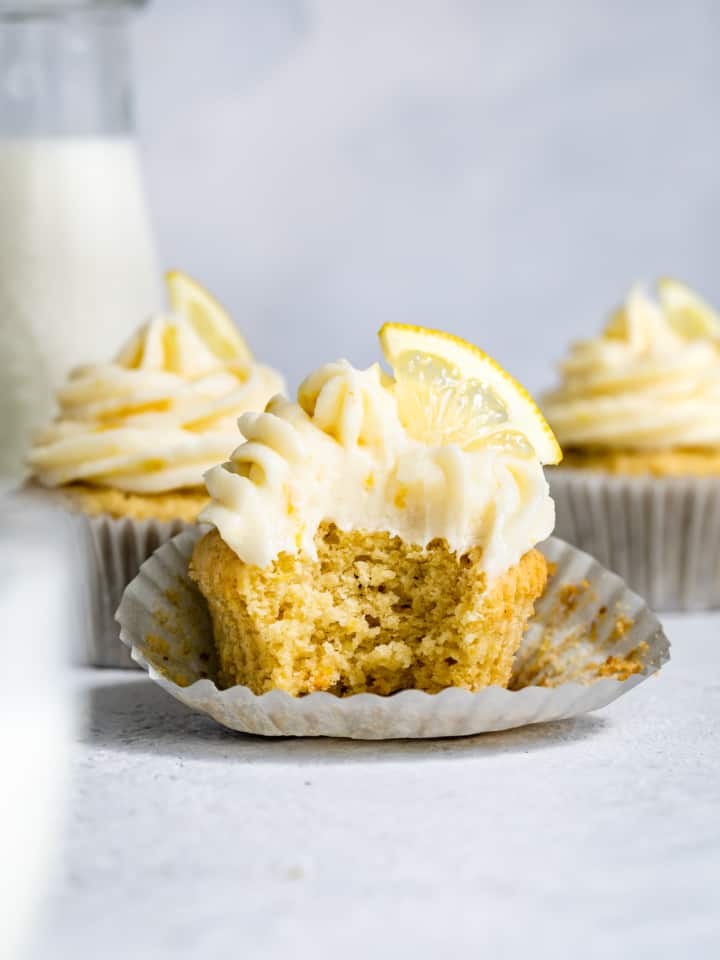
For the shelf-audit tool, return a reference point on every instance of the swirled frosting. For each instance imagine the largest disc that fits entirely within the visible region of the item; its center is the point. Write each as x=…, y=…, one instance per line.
x=646, y=383
x=156, y=418
x=341, y=454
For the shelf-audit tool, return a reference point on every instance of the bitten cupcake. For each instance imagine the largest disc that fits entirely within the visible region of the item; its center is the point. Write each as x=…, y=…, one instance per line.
x=133, y=437
x=637, y=413
x=379, y=534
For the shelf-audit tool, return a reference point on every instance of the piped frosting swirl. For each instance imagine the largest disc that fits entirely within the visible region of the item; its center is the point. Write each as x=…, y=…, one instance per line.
x=156, y=418
x=342, y=454
x=651, y=381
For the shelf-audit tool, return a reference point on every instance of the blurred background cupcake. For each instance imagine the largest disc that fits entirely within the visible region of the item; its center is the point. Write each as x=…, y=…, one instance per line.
x=637, y=413
x=133, y=437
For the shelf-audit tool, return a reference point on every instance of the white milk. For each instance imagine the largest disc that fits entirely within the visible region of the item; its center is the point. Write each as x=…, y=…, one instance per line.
x=78, y=270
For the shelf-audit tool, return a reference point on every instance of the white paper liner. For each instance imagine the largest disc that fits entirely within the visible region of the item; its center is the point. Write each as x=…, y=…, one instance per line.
x=111, y=552
x=106, y=555
x=661, y=534
x=165, y=621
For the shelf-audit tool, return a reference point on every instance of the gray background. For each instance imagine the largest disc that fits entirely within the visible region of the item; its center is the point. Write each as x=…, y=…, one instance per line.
x=500, y=169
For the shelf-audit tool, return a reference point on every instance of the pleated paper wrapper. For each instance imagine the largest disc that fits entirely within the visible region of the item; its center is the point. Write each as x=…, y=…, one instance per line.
x=591, y=640
x=107, y=554
x=661, y=534
x=111, y=552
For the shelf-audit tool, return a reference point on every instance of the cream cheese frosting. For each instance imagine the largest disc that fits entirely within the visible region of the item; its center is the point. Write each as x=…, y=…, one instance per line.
x=646, y=383
x=156, y=418
x=342, y=454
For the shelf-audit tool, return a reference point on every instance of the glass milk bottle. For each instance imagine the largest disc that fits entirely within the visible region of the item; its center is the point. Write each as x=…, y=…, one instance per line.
x=78, y=269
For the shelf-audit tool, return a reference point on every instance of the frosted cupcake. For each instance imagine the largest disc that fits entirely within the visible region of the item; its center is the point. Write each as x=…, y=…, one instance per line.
x=637, y=413
x=133, y=437
x=379, y=534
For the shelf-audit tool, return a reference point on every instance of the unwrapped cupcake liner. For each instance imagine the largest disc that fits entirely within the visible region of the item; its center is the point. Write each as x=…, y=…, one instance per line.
x=111, y=552
x=591, y=640
x=661, y=534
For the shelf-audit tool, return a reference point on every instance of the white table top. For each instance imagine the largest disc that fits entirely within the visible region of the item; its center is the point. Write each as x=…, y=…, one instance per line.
x=570, y=839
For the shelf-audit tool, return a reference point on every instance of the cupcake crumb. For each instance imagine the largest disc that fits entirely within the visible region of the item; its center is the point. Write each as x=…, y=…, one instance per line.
x=565, y=651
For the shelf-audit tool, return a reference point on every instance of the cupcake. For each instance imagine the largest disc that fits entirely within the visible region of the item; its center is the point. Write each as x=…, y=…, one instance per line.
x=133, y=437
x=637, y=413
x=379, y=534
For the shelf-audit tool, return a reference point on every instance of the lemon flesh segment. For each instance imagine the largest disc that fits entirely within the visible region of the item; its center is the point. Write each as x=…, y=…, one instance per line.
x=208, y=317
x=688, y=313
x=450, y=392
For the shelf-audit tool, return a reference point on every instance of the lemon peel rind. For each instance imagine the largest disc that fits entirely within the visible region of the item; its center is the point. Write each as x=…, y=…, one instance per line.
x=548, y=450
x=677, y=297
x=183, y=289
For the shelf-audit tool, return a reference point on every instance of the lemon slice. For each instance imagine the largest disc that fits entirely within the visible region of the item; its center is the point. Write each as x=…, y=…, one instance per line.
x=637, y=321
x=209, y=319
x=451, y=392
x=617, y=325
x=688, y=313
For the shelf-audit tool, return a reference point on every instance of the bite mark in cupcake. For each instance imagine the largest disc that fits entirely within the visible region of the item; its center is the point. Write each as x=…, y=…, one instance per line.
x=424, y=578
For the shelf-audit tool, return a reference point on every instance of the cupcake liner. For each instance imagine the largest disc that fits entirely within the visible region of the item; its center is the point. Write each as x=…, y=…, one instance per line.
x=590, y=641
x=106, y=554
x=661, y=534
x=110, y=553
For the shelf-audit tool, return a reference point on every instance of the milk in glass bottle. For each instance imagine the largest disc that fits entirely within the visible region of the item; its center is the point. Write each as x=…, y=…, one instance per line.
x=77, y=262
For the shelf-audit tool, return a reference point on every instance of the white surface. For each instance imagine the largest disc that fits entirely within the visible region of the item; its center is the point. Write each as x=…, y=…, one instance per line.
x=78, y=271
x=590, y=838
x=501, y=169
x=34, y=710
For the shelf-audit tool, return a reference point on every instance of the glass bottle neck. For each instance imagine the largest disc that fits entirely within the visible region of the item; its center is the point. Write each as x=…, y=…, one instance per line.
x=67, y=72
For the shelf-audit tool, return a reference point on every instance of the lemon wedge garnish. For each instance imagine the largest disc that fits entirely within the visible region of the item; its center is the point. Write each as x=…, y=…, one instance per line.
x=617, y=325
x=451, y=392
x=688, y=313
x=637, y=321
x=208, y=317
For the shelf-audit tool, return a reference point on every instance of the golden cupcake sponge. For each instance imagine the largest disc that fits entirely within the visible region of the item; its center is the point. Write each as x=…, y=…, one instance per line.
x=184, y=504
x=370, y=614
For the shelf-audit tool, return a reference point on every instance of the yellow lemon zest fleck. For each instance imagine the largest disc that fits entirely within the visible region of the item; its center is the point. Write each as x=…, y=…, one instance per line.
x=400, y=500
